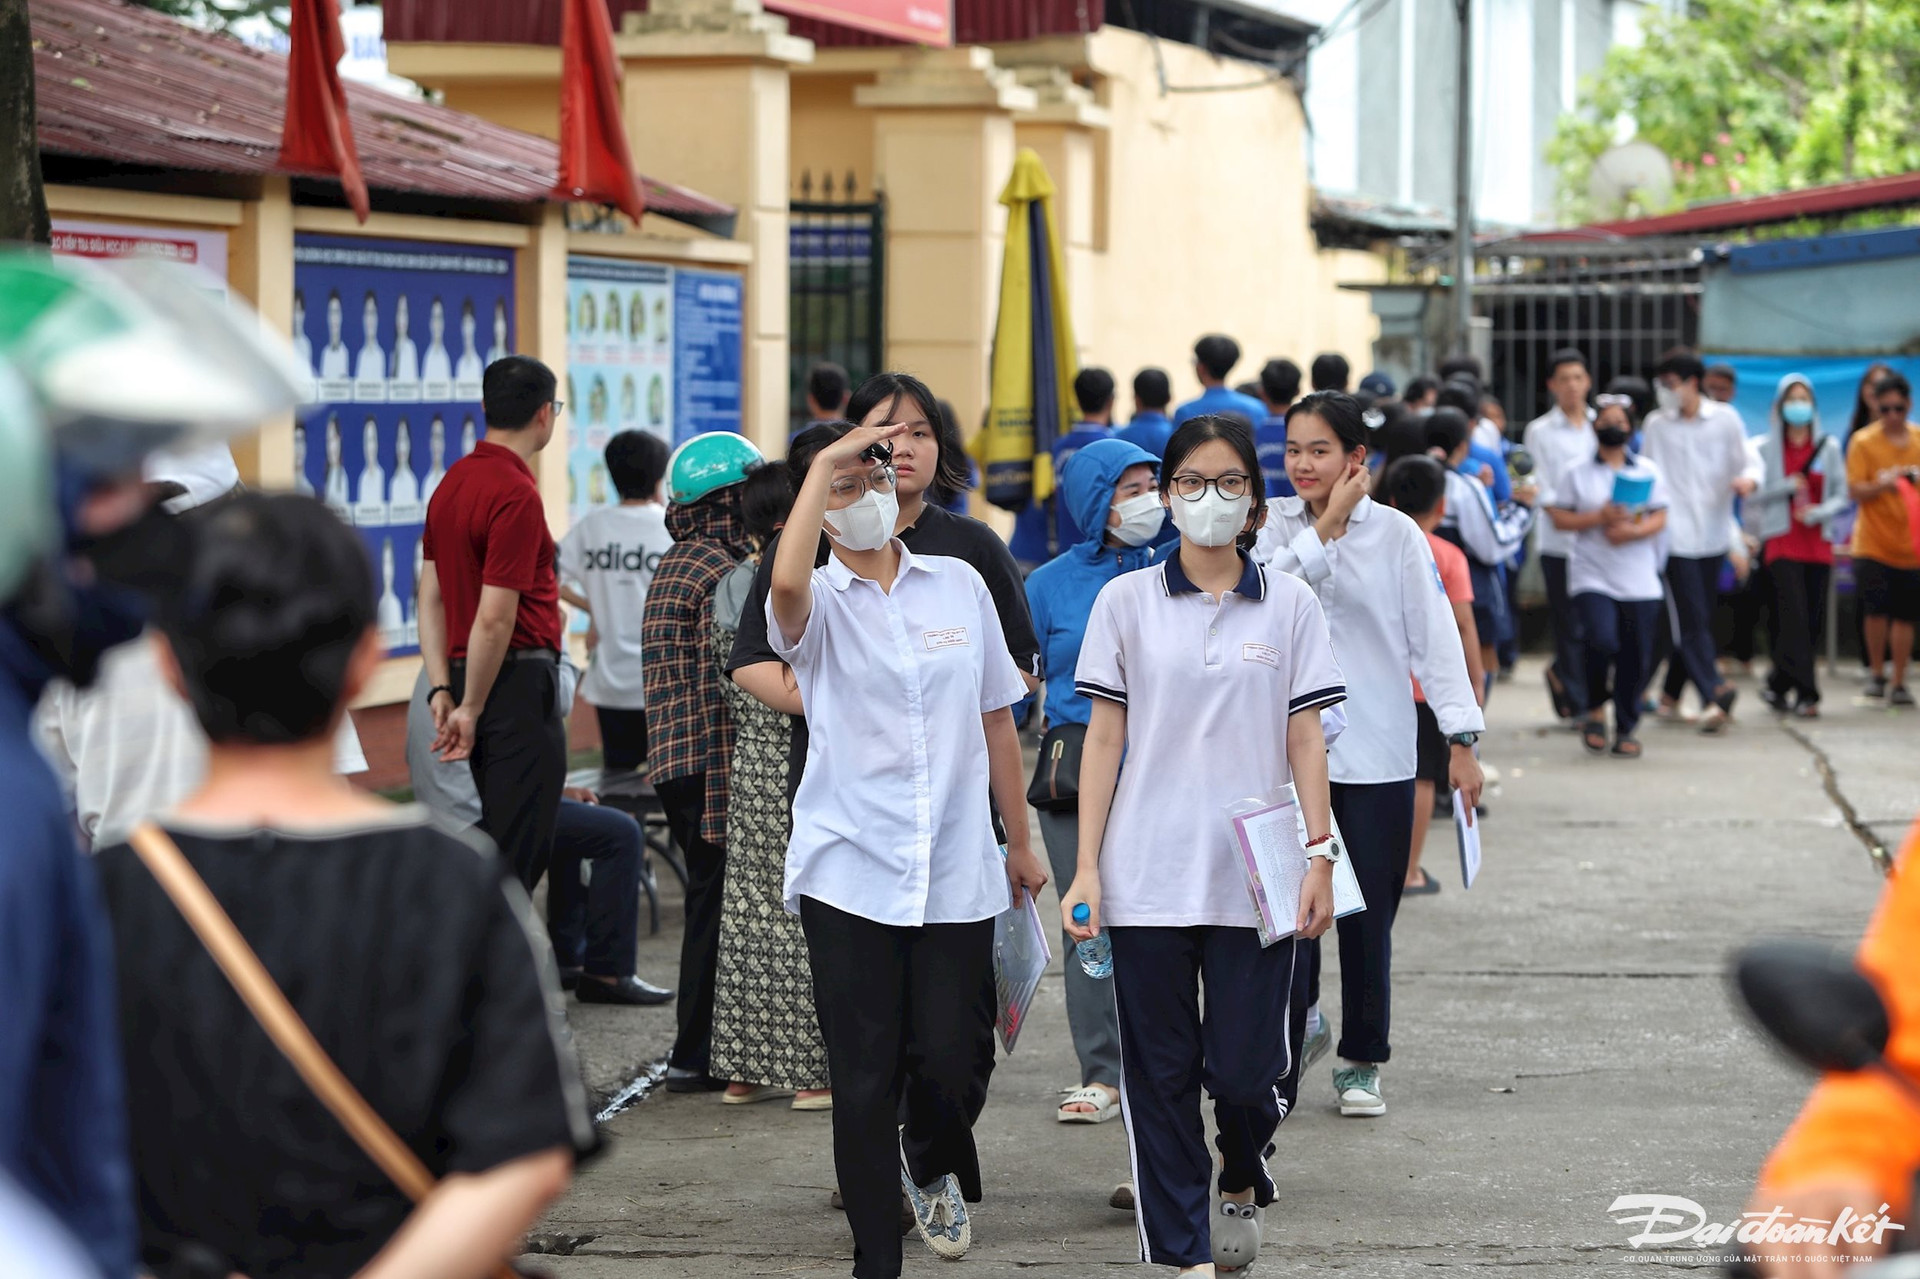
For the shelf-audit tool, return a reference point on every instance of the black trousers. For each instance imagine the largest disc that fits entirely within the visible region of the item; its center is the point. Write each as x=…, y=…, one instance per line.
x=1376, y=821
x=685, y=799
x=1568, y=652
x=1797, y=627
x=1748, y=604
x=623, y=737
x=1693, y=587
x=895, y=1011
x=519, y=762
x=1249, y=1038
x=593, y=889
x=1619, y=639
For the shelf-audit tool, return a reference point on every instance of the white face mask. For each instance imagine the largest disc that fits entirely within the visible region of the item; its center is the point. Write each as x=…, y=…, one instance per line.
x=867, y=523
x=1141, y=518
x=1212, y=520
x=1668, y=397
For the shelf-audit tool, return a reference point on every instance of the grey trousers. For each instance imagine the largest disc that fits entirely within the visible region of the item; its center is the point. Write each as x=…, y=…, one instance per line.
x=1091, y=1013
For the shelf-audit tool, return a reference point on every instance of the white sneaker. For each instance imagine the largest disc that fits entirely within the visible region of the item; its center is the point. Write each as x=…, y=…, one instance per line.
x=1359, y=1089
x=940, y=1214
x=1236, y=1234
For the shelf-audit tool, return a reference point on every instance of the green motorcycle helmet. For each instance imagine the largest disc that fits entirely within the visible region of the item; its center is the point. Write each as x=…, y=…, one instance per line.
x=708, y=463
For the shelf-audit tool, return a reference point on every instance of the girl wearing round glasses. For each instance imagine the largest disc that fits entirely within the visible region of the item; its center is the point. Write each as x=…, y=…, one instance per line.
x=1202, y=648
x=892, y=867
x=1388, y=613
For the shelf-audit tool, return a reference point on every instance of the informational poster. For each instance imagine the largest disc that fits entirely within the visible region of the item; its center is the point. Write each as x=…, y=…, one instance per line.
x=709, y=322
x=620, y=344
x=397, y=333
x=206, y=250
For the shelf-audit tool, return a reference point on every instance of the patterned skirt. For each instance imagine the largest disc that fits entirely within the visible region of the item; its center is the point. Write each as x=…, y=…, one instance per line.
x=765, y=1030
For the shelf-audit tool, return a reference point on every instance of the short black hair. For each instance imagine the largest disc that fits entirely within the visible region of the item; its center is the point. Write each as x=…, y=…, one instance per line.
x=1093, y=390
x=1462, y=395
x=1682, y=363
x=950, y=475
x=1892, y=383
x=829, y=385
x=277, y=596
x=1280, y=381
x=1331, y=372
x=1152, y=389
x=1414, y=484
x=1635, y=388
x=1456, y=365
x=1341, y=412
x=1726, y=371
x=1401, y=433
x=513, y=389
x=1217, y=354
x=1236, y=432
x=636, y=461
x=1447, y=429
x=1421, y=387
x=1565, y=355
x=766, y=496
x=1250, y=389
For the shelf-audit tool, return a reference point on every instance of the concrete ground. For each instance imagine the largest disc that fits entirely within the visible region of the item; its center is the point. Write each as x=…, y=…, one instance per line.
x=1563, y=1034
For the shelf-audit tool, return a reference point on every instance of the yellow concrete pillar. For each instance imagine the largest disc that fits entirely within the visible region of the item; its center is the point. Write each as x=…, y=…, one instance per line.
x=540, y=299
x=943, y=148
x=1065, y=129
x=707, y=100
x=260, y=269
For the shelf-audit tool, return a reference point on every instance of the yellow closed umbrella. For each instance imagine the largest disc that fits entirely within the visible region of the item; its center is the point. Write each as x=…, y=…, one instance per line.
x=1031, y=404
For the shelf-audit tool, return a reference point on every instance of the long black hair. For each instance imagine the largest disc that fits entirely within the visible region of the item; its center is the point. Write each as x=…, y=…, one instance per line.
x=1232, y=430
x=1342, y=414
x=950, y=475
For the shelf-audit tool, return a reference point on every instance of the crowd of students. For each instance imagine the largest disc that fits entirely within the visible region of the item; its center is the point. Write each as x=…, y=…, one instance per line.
x=824, y=668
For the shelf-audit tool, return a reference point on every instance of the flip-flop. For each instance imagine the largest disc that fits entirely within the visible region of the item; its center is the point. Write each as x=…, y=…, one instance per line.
x=1427, y=886
x=1593, y=735
x=759, y=1093
x=1626, y=748
x=1105, y=1106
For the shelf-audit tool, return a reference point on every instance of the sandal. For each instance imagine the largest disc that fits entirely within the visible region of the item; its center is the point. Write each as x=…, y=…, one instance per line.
x=1593, y=735
x=1426, y=885
x=1105, y=1106
x=754, y=1096
x=1626, y=748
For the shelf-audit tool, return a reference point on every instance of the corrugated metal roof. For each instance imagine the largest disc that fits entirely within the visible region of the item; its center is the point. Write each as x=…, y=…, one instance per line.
x=124, y=84
x=538, y=21
x=1757, y=210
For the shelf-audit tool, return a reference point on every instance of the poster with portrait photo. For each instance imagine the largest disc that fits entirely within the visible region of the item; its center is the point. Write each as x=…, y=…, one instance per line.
x=398, y=333
x=620, y=335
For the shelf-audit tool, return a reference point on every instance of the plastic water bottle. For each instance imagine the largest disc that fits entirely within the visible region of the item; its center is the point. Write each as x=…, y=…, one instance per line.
x=1095, y=953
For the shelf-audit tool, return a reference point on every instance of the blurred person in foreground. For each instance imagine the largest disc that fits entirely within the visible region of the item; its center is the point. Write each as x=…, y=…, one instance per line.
x=411, y=953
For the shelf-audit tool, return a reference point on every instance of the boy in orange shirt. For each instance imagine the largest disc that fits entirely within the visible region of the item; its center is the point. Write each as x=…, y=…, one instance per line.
x=1886, y=565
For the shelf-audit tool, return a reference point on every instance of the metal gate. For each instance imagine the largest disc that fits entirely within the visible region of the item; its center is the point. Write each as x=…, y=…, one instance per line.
x=837, y=283
x=1620, y=304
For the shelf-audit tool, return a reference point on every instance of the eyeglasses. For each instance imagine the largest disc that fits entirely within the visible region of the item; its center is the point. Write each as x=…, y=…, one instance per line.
x=1193, y=487
x=1613, y=401
x=851, y=488
x=1889, y=408
x=557, y=406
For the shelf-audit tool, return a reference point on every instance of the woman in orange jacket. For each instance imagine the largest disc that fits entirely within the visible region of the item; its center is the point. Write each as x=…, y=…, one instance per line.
x=1856, y=1143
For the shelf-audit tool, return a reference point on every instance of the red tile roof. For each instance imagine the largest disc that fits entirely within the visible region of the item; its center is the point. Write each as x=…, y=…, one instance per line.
x=124, y=84
x=1756, y=210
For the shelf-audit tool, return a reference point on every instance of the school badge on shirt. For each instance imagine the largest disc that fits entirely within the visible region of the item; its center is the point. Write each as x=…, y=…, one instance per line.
x=950, y=637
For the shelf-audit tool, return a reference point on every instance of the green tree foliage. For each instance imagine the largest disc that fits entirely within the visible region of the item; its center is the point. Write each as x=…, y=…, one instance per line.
x=1753, y=96
x=218, y=15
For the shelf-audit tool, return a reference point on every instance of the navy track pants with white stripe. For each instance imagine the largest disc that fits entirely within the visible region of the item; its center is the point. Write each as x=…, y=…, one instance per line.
x=1248, y=1039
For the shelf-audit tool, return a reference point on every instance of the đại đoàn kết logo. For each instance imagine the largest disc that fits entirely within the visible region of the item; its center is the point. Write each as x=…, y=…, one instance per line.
x=1672, y=1221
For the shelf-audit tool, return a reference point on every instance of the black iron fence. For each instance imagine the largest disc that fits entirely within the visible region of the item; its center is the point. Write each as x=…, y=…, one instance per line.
x=837, y=283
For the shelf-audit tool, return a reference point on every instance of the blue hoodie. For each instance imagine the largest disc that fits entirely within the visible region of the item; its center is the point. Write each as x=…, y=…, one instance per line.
x=1060, y=593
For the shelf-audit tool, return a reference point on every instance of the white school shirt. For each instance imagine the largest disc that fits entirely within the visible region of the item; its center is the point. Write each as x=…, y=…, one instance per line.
x=611, y=555
x=1627, y=572
x=1388, y=613
x=1208, y=685
x=1699, y=458
x=891, y=821
x=1556, y=443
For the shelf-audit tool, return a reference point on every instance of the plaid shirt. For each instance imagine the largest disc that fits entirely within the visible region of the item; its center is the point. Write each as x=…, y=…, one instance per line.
x=689, y=728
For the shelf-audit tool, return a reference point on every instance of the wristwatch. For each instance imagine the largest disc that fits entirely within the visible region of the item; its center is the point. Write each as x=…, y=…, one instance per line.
x=1463, y=739
x=1326, y=846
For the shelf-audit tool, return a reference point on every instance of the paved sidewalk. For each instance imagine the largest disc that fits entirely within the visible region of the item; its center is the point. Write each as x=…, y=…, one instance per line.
x=1563, y=1035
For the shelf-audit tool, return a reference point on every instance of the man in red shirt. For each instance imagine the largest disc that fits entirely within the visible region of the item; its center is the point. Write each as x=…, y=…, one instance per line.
x=490, y=619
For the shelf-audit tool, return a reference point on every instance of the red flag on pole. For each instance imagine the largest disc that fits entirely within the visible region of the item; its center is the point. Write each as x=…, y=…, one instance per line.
x=316, y=137
x=595, y=165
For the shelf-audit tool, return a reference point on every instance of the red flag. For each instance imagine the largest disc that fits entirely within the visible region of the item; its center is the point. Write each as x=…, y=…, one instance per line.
x=595, y=165
x=316, y=137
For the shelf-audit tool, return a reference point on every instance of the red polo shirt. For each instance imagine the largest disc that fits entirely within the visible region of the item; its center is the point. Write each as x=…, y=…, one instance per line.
x=486, y=526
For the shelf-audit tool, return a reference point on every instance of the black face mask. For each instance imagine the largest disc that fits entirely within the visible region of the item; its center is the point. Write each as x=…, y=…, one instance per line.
x=1612, y=437
x=148, y=557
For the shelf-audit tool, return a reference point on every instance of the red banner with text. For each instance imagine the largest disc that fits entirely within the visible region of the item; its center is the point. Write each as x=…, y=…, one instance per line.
x=928, y=22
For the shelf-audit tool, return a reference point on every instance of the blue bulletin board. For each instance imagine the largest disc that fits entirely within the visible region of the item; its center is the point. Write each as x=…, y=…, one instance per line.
x=397, y=333
x=708, y=321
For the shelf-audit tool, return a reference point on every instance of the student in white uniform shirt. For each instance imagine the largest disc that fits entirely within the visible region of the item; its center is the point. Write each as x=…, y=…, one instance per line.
x=1701, y=449
x=1613, y=573
x=1211, y=674
x=606, y=563
x=892, y=866
x=1388, y=613
x=1557, y=440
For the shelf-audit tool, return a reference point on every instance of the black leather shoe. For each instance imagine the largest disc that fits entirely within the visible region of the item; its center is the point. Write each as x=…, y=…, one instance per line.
x=688, y=1081
x=569, y=978
x=628, y=990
